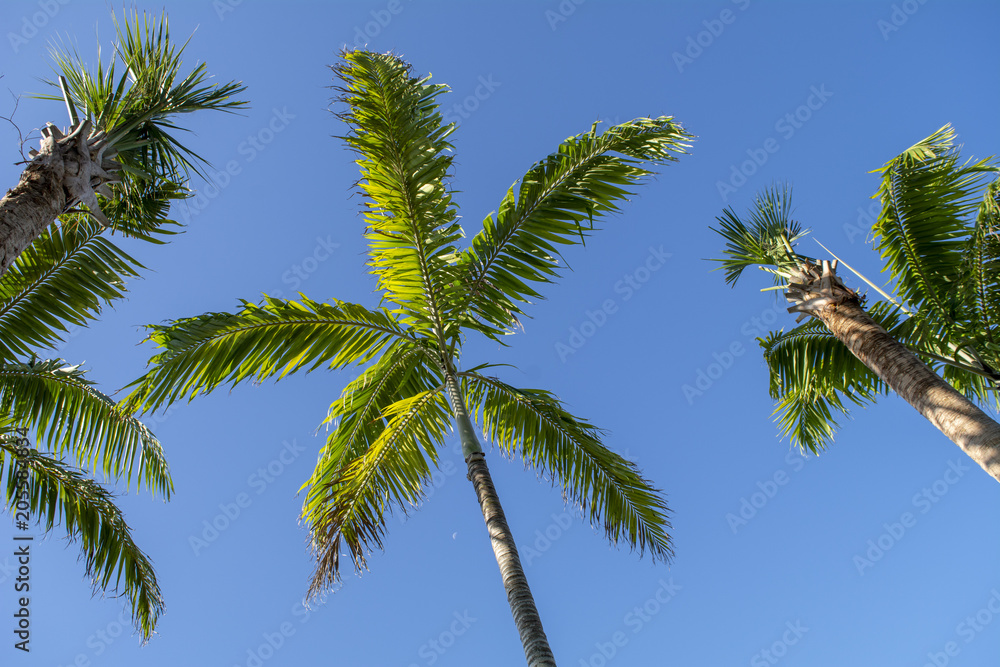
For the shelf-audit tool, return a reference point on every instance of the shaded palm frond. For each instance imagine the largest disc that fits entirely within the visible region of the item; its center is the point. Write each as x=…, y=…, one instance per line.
x=63, y=278
x=70, y=415
x=57, y=494
x=929, y=206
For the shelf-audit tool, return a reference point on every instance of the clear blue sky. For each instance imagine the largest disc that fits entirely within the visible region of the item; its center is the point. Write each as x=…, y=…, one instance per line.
x=817, y=93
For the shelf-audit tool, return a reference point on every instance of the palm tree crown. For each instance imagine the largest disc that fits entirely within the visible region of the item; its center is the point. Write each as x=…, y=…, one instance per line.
x=389, y=423
x=938, y=232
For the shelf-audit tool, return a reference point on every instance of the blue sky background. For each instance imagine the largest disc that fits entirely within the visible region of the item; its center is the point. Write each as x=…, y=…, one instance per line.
x=787, y=581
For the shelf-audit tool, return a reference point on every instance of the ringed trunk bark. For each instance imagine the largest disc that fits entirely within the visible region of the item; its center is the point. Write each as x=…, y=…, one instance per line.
x=522, y=603
x=952, y=413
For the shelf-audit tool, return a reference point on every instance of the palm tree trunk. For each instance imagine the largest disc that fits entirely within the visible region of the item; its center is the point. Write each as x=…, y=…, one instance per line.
x=66, y=170
x=522, y=604
x=952, y=413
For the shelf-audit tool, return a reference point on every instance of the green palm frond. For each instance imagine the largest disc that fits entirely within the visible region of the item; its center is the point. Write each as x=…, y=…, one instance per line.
x=402, y=152
x=70, y=415
x=357, y=417
x=812, y=374
x=348, y=502
x=63, y=278
x=137, y=108
x=533, y=425
x=929, y=207
x=58, y=494
x=277, y=337
x=766, y=241
x=555, y=205
x=981, y=286
x=140, y=207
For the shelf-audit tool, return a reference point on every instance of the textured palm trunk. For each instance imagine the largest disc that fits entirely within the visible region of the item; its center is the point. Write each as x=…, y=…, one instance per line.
x=522, y=604
x=66, y=170
x=839, y=308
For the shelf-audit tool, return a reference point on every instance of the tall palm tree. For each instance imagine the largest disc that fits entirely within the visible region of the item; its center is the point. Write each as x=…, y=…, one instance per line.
x=119, y=149
x=390, y=422
x=938, y=232
x=64, y=277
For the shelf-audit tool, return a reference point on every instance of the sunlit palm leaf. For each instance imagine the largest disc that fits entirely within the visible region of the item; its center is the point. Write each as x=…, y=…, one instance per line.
x=277, y=337
x=401, y=144
x=533, y=425
x=70, y=415
x=555, y=204
x=58, y=494
x=349, y=502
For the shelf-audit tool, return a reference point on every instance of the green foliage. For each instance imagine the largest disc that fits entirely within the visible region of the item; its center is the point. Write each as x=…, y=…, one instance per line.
x=138, y=109
x=555, y=204
x=389, y=424
x=765, y=241
x=938, y=234
x=59, y=494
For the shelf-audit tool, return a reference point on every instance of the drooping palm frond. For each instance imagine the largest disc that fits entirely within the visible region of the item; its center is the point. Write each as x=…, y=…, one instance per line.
x=137, y=108
x=555, y=204
x=63, y=278
x=277, y=337
x=812, y=374
x=357, y=417
x=348, y=501
x=533, y=425
x=402, y=148
x=929, y=207
x=70, y=415
x=58, y=494
x=766, y=241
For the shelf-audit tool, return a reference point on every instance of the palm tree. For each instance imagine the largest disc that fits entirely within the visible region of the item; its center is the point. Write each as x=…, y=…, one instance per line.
x=938, y=232
x=390, y=422
x=119, y=150
x=64, y=277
